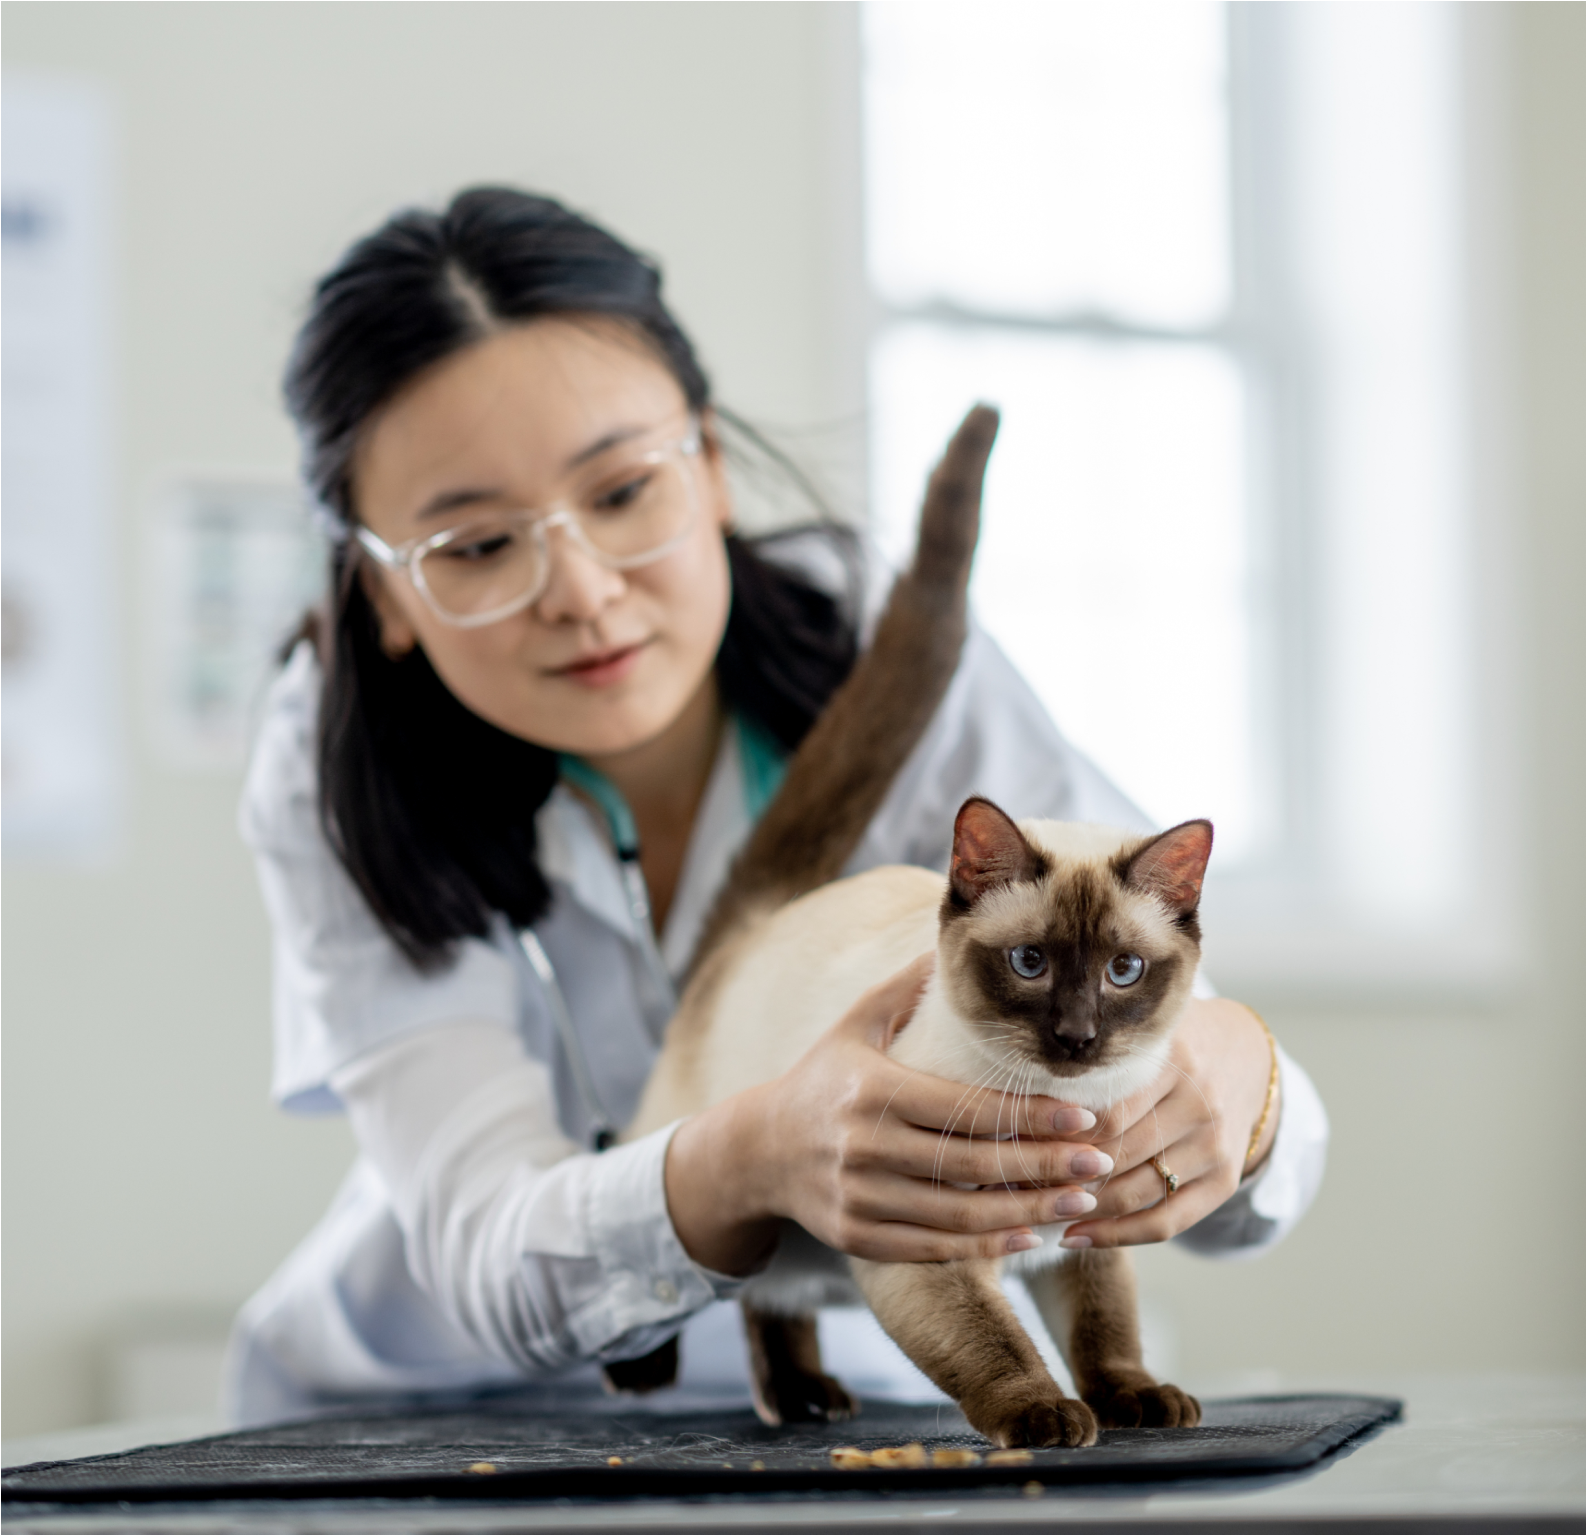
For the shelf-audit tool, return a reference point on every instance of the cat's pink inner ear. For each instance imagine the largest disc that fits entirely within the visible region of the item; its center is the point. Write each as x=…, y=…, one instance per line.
x=988, y=850
x=1173, y=865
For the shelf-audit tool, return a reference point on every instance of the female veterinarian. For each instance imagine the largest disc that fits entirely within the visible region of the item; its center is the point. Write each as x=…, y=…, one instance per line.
x=491, y=799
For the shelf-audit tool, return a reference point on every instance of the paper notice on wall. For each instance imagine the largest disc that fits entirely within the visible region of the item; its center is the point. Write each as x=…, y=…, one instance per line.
x=61, y=767
x=233, y=565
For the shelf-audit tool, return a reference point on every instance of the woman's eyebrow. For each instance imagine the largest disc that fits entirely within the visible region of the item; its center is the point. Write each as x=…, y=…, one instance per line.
x=450, y=500
x=611, y=439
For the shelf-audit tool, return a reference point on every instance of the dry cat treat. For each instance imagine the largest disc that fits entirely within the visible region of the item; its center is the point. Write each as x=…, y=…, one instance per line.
x=1009, y=1458
x=906, y=1456
x=954, y=1458
x=613, y=1460
x=849, y=1459
x=483, y=1467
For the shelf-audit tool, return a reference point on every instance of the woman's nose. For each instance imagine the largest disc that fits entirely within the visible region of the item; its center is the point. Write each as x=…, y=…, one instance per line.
x=578, y=588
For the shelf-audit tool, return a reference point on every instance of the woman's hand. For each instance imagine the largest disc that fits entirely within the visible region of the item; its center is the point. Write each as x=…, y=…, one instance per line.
x=1197, y=1116
x=864, y=1154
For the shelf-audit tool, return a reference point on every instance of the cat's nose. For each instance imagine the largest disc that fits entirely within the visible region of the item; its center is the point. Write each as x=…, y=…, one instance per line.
x=1069, y=1026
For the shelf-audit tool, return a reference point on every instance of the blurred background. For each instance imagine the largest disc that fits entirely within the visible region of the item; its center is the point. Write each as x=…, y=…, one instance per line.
x=1285, y=306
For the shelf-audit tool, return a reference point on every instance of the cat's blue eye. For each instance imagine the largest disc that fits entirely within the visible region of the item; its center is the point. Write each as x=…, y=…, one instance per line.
x=1125, y=969
x=1028, y=961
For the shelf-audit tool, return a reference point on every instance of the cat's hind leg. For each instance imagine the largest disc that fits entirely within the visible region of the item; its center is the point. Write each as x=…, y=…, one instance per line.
x=1090, y=1306
x=785, y=1371
x=650, y=1372
x=954, y=1322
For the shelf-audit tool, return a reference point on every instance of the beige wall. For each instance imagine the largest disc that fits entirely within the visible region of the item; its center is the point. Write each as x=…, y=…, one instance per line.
x=144, y=1167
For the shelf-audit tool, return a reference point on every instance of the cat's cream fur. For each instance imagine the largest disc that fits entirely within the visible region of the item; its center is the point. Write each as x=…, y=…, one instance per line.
x=785, y=951
x=784, y=978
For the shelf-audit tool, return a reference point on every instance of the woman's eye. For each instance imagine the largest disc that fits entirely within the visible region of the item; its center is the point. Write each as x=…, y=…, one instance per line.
x=1028, y=961
x=1125, y=969
x=472, y=550
x=622, y=495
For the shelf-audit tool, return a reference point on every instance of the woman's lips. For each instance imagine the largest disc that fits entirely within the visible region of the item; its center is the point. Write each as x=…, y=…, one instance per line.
x=603, y=668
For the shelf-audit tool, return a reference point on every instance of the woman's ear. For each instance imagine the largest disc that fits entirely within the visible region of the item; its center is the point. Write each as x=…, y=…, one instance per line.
x=397, y=634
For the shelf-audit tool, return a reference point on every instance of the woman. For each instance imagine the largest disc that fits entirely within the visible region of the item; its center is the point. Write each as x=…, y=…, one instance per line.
x=490, y=807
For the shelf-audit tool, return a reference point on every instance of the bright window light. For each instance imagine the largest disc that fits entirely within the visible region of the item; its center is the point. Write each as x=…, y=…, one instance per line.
x=1227, y=524
x=1112, y=558
x=1064, y=168
x=1044, y=158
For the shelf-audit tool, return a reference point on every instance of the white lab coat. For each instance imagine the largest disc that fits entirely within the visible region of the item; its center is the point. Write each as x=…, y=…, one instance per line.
x=480, y=1243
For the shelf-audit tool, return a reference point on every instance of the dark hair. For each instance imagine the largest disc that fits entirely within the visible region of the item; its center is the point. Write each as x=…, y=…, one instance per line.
x=430, y=808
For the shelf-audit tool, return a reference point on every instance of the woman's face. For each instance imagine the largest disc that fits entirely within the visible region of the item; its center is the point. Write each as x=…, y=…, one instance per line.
x=603, y=660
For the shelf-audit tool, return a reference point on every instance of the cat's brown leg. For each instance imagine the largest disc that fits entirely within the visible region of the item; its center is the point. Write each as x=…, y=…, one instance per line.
x=1090, y=1305
x=785, y=1370
x=635, y=1377
x=954, y=1322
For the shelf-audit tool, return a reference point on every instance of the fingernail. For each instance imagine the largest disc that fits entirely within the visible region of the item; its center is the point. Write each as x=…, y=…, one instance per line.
x=1074, y=1202
x=1075, y=1244
x=1089, y=1164
x=1066, y=1120
x=1023, y=1241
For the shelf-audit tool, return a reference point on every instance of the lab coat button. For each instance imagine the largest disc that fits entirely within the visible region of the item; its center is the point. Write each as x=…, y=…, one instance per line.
x=665, y=1291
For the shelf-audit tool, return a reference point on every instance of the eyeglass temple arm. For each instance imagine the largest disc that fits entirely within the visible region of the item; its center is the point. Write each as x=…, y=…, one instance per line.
x=380, y=549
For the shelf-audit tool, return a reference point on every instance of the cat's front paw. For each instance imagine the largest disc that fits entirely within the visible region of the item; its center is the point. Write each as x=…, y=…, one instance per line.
x=1051, y=1422
x=1145, y=1406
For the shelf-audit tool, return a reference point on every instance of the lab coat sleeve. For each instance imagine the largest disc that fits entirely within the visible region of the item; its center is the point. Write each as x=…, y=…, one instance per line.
x=543, y=1255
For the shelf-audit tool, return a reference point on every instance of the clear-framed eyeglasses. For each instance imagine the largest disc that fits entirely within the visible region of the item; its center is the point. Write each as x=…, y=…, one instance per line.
x=633, y=509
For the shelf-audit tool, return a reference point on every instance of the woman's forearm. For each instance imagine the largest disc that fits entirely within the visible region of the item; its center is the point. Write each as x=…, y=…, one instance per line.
x=718, y=1187
x=543, y=1255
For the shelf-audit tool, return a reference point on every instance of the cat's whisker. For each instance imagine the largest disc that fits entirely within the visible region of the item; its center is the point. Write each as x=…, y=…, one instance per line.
x=953, y=1118
x=1023, y=1082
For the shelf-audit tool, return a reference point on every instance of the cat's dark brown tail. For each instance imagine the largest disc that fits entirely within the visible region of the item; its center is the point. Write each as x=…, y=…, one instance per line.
x=841, y=773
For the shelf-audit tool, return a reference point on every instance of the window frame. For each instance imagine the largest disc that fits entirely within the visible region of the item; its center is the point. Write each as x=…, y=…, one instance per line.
x=1276, y=926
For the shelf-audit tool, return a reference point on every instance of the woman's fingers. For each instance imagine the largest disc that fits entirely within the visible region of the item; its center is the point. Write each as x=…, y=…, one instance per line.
x=888, y=1198
x=903, y=1242
x=958, y=1159
x=1177, y=1118
x=1155, y=1217
x=887, y=1006
x=933, y=1103
x=1135, y=1204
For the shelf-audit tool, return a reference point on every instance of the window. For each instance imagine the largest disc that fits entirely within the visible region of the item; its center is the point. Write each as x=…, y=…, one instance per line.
x=1207, y=259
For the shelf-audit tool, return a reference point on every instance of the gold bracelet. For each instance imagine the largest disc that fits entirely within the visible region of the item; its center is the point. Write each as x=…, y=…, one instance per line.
x=1272, y=1094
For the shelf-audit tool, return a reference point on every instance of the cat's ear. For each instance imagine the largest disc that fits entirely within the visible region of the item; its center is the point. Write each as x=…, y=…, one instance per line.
x=988, y=850
x=1172, y=866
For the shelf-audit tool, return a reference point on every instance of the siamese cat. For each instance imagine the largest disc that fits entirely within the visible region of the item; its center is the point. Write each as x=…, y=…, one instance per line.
x=1064, y=954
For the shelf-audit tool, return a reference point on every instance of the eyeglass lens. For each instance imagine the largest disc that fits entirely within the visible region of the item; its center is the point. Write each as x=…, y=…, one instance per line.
x=491, y=563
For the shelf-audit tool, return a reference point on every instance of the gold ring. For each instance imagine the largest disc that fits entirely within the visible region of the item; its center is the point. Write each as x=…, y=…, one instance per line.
x=1169, y=1177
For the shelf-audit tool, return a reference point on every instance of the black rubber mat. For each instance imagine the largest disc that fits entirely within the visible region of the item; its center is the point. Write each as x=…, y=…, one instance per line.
x=501, y=1450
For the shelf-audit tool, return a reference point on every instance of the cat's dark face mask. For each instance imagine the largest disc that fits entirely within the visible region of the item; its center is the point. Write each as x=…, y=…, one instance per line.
x=1070, y=965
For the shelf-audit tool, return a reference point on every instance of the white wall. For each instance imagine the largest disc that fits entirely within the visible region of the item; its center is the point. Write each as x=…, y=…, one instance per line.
x=144, y=1169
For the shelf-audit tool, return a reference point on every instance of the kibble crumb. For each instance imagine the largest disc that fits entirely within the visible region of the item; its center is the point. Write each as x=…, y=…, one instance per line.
x=849, y=1459
x=1032, y=1489
x=483, y=1468
x=904, y=1456
x=757, y=1465
x=954, y=1458
x=613, y=1460
x=1009, y=1458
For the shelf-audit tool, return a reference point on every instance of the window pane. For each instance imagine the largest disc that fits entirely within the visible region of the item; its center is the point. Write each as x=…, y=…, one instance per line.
x=1373, y=116
x=1046, y=158
x=1112, y=557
